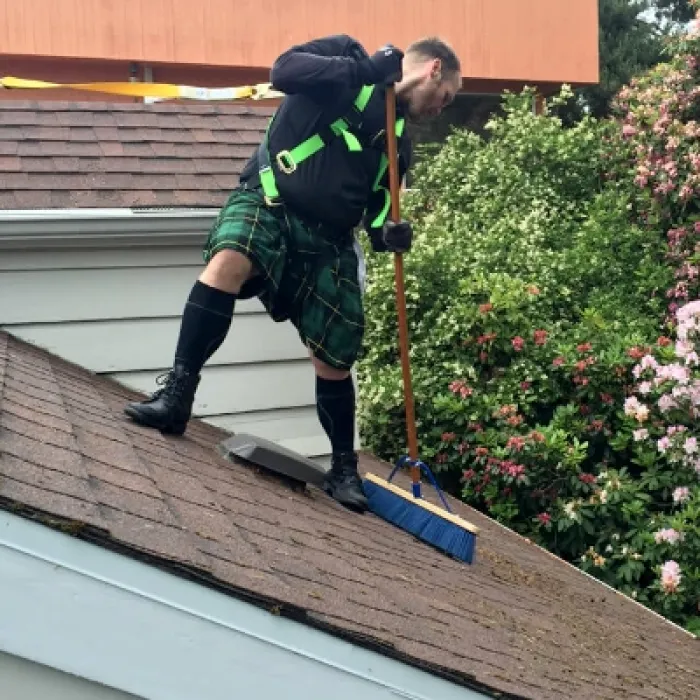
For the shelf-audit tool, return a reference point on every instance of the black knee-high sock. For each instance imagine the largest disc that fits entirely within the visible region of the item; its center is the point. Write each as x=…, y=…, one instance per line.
x=335, y=404
x=205, y=324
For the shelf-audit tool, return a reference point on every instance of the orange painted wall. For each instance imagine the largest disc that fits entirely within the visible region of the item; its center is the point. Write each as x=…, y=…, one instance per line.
x=64, y=70
x=522, y=40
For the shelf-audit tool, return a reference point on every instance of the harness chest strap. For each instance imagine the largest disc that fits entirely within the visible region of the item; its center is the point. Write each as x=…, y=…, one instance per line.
x=287, y=160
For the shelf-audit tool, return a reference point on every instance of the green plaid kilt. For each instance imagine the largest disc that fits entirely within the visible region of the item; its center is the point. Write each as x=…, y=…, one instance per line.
x=306, y=275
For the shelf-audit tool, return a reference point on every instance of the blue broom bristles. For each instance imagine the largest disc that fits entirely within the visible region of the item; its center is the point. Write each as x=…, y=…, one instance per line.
x=407, y=513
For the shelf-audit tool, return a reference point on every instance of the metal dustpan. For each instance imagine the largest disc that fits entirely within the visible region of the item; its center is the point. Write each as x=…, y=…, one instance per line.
x=274, y=457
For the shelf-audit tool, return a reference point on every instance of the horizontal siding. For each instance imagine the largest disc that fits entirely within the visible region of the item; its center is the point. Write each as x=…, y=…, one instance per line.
x=29, y=260
x=117, y=312
x=241, y=388
x=296, y=429
x=124, y=345
x=54, y=296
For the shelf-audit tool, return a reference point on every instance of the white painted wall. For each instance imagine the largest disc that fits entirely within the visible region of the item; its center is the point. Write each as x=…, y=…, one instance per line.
x=111, y=301
x=21, y=679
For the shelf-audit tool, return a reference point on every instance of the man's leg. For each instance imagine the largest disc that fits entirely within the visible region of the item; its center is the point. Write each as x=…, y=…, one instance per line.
x=205, y=323
x=335, y=404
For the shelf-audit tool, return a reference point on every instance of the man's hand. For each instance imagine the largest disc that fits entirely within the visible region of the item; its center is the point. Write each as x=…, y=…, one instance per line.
x=393, y=238
x=384, y=66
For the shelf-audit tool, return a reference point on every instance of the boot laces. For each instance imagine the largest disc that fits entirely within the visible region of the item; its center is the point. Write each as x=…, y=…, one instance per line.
x=172, y=385
x=346, y=469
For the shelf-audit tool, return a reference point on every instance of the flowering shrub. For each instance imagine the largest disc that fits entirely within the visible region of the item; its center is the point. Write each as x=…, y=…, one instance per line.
x=554, y=337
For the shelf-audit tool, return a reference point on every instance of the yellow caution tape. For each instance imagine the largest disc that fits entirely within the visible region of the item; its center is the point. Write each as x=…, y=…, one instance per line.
x=260, y=91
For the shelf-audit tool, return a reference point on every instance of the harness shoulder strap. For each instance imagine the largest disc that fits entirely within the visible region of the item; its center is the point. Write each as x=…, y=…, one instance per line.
x=287, y=160
x=383, y=164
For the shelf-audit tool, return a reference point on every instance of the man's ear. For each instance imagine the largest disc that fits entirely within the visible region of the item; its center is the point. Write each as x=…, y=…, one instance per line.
x=436, y=70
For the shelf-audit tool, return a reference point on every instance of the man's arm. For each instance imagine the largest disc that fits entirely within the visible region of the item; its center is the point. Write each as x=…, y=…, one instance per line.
x=330, y=62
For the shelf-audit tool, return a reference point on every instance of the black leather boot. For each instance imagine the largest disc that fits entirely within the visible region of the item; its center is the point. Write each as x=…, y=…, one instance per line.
x=343, y=482
x=168, y=409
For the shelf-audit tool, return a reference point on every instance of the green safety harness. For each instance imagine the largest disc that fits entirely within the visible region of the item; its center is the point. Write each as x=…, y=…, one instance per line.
x=287, y=160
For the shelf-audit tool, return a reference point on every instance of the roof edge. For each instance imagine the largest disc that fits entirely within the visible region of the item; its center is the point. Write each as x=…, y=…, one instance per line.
x=48, y=542
x=71, y=229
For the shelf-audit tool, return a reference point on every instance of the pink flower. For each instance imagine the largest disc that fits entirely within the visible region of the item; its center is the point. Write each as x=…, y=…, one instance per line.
x=691, y=445
x=459, y=387
x=674, y=372
x=641, y=434
x=649, y=362
x=685, y=193
x=631, y=405
x=544, y=518
x=518, y=343
x=515, y=443
x=628, y=130
x=670, y=576
x=540, y=337
x=663, y=444
x=517, y=471
x=666, y=403
x=667, y=535
x=681, y=494
x=558, y=361
x=683, y=348
x=676, y=235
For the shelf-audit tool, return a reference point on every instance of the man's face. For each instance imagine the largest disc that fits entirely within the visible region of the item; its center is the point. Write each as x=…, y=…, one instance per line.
x=432, y=93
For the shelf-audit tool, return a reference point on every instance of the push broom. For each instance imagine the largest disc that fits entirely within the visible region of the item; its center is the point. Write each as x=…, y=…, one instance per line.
x=443, y=529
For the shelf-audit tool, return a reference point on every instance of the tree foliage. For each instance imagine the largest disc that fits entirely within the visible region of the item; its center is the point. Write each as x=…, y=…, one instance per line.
x=554, y=344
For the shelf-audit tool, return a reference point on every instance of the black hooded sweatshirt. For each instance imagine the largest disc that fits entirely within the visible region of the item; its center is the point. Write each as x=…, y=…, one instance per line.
x=334, y=186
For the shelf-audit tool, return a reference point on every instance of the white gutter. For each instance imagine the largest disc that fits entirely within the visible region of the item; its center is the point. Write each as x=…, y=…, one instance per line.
x=79, y=608
x=37, y=229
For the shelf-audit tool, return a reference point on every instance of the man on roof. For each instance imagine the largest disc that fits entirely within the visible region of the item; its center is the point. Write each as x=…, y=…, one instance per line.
x=286, y=232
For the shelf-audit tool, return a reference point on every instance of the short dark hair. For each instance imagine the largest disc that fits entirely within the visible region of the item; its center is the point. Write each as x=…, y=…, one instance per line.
x=433, y=47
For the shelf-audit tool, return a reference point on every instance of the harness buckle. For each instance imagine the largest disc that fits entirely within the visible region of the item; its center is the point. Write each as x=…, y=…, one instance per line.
x=272, y=202
x=285, y=162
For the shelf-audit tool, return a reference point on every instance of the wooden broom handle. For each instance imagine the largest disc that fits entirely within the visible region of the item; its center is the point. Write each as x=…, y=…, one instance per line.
x=394, y=188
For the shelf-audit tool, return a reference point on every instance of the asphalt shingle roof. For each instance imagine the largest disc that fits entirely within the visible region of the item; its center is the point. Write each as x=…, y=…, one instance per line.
x=518, y=621
x=92, y=154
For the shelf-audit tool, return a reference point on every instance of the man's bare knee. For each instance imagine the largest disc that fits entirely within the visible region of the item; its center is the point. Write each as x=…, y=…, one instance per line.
x=228, y=270
x=325, y=371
